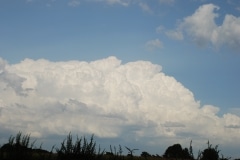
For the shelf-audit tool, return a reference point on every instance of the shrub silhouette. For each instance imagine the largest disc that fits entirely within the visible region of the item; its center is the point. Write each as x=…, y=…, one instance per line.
x=209, y=153
x=19, y=148
x=176, y=151
x=145, y=154
x=81, y=149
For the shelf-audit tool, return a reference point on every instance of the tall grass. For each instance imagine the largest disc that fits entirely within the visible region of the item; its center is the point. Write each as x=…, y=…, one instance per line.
x=114, y=154
x=81, y=149
x=19, y=147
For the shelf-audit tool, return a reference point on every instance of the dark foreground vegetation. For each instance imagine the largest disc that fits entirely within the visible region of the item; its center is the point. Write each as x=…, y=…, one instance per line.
x=20, y=148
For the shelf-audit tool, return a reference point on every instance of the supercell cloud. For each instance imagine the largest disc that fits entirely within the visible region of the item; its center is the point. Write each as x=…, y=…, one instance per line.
x=109, y=99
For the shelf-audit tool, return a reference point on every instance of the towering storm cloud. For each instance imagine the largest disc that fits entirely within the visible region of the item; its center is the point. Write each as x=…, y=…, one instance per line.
x=107, y=98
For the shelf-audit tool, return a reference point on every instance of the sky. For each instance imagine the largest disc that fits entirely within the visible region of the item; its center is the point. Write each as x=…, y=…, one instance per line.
x=140, y=73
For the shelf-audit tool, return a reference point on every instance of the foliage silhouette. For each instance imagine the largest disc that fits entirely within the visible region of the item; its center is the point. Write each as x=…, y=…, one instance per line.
x=145, y=154
x=176, y=151
x=19, y=147
x=81, y=149
x=211, y=153
x=115, y=155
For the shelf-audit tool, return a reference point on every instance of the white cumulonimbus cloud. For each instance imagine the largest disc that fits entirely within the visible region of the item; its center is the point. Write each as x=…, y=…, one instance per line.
x=201, y=26
x=107, y=98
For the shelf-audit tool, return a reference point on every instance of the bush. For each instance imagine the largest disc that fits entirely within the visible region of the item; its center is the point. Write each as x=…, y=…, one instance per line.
x=145, y=154
x=19, y=148
x=211, y=153
x=176, y=151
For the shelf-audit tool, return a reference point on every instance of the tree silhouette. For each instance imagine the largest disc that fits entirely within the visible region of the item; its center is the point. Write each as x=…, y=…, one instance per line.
x=176, y=151
x=210, y=153
x=173, y=151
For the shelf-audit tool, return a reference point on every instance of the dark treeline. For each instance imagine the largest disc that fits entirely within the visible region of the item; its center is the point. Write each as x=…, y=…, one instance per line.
x=20, y=148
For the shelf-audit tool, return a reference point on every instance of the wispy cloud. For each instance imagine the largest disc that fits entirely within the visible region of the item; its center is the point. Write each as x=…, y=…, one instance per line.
x=238, y=9
x=175, y=34
x=121, y=2
x=145, y=7
x=154, y=44
x=160, y=29
x=74, y=3
x=166, y=1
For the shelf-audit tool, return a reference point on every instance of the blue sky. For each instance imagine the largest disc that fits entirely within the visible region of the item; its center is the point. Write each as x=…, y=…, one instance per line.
x=195, y=42
x=57, y=31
